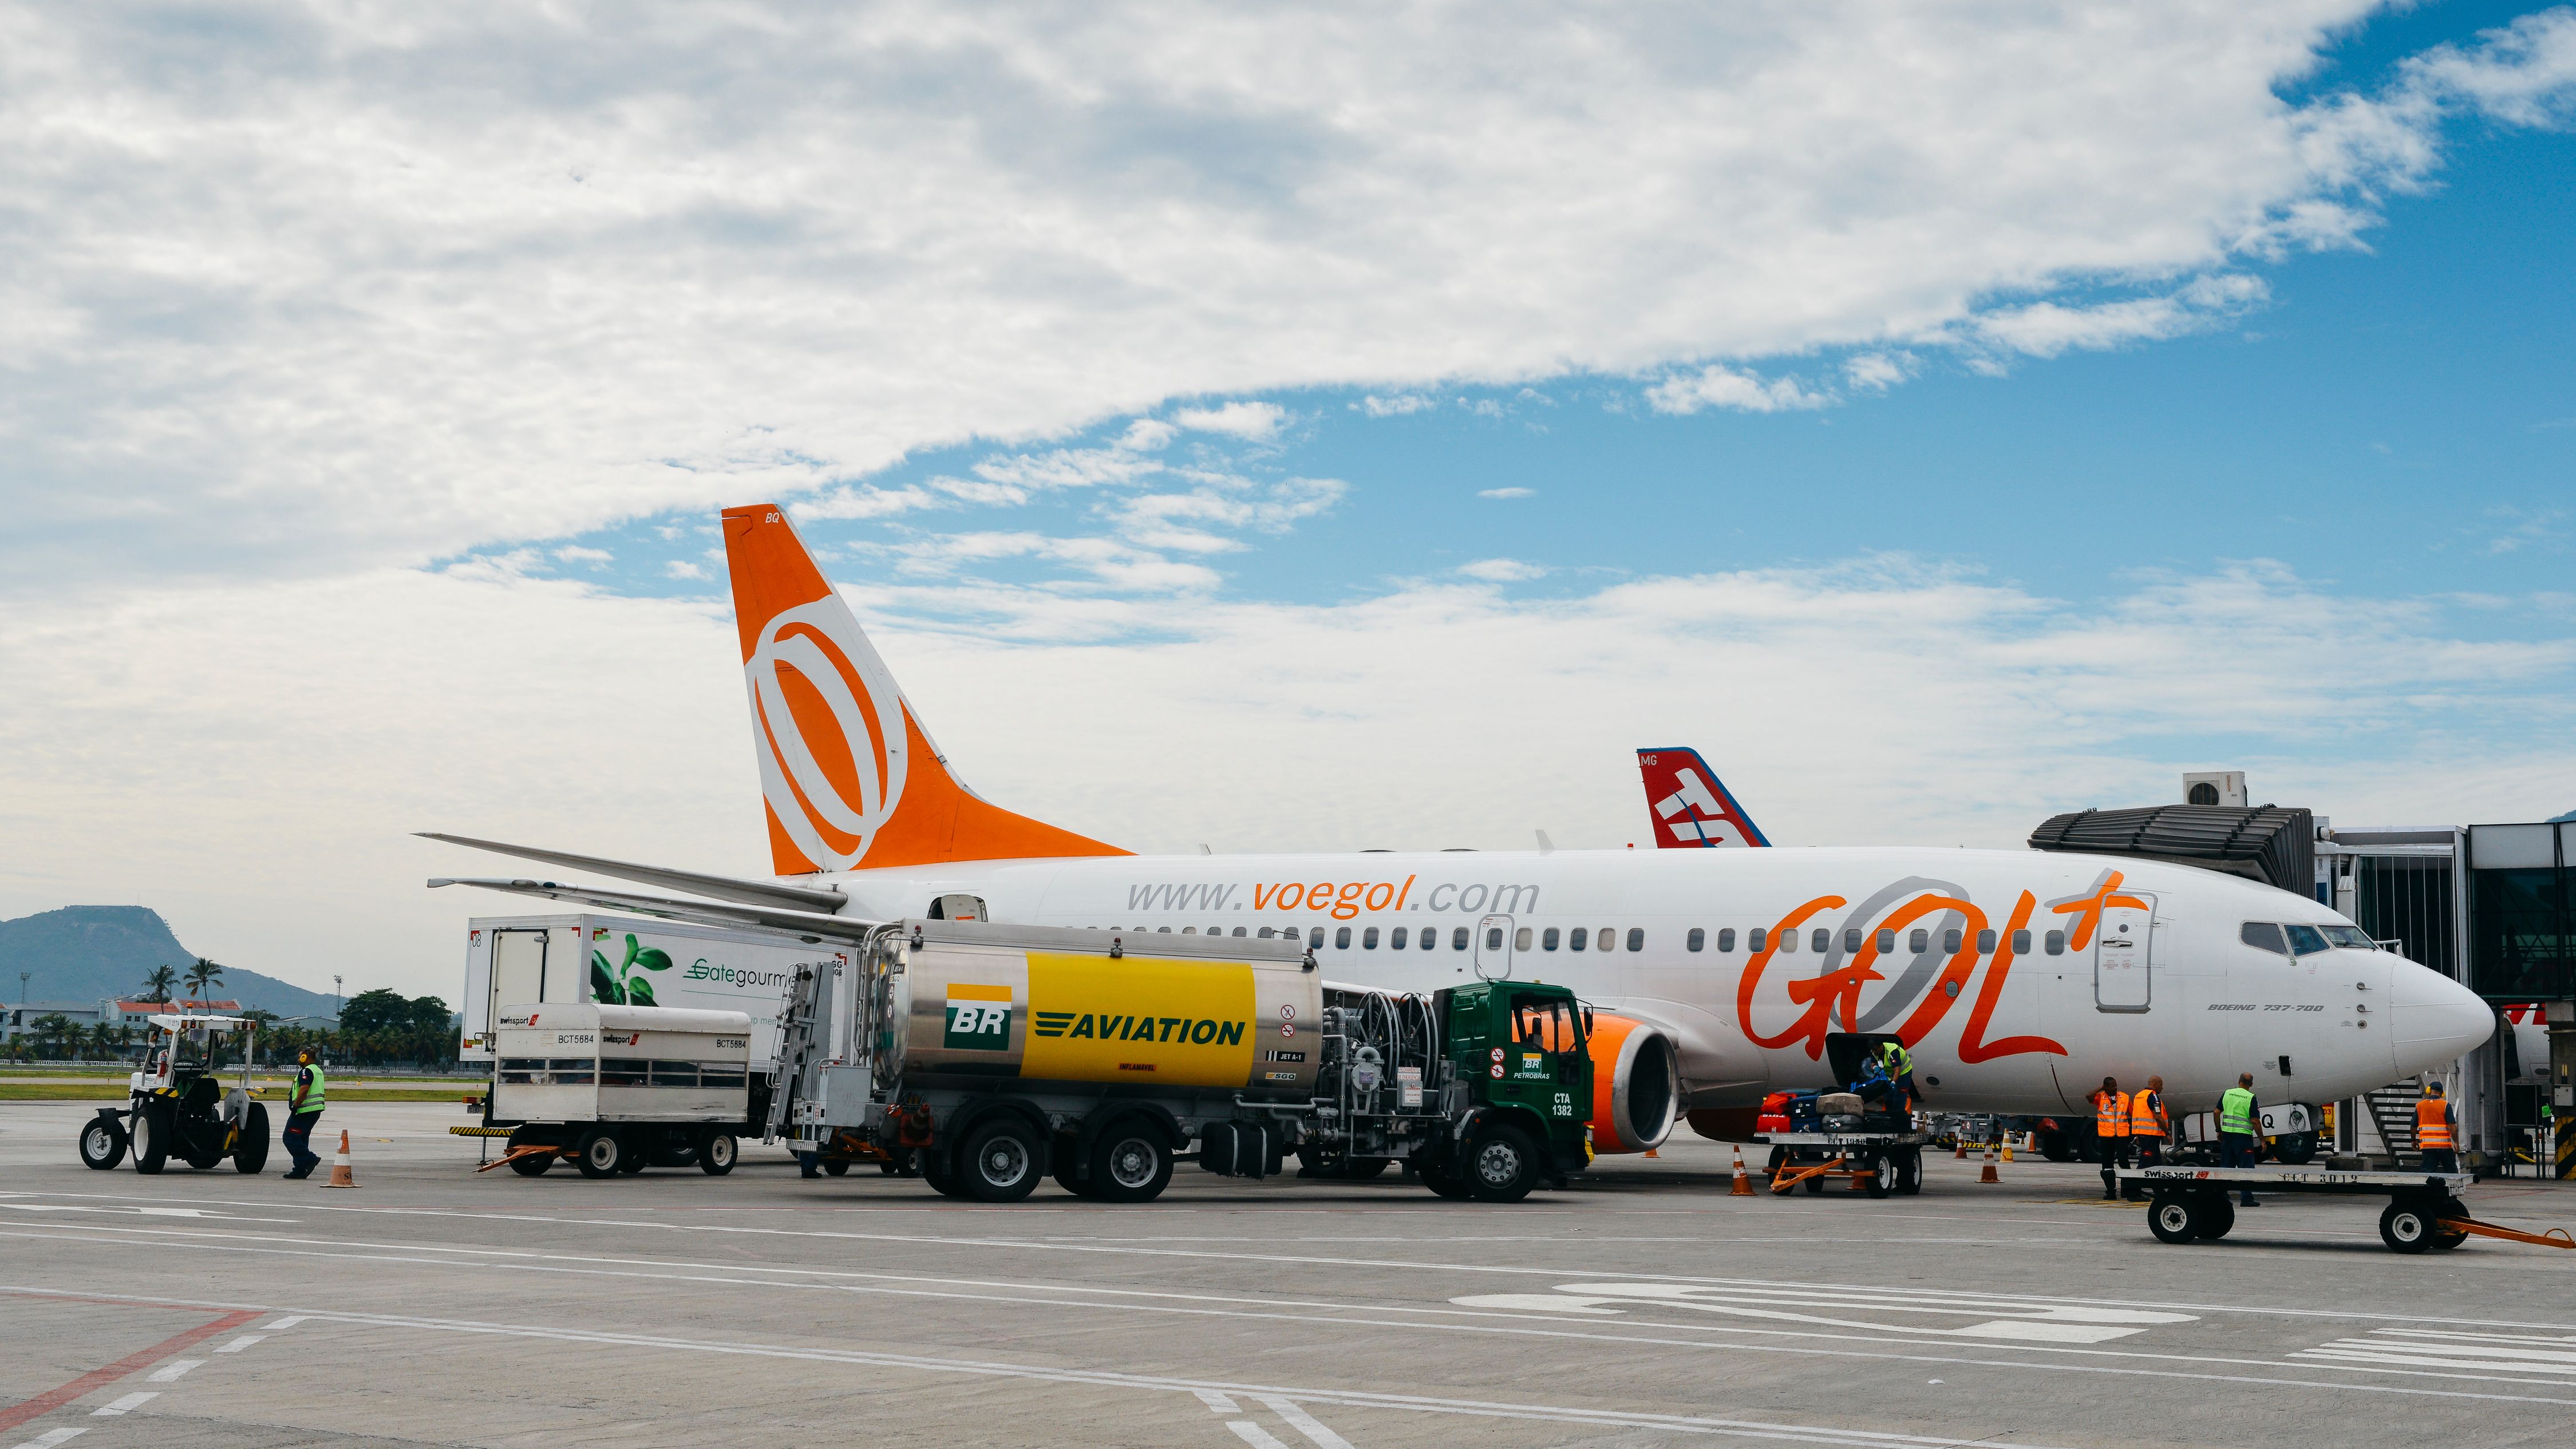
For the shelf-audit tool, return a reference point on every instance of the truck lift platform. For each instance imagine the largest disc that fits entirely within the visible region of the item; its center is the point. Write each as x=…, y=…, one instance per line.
x=1878, y=1163
x=2424, y=1208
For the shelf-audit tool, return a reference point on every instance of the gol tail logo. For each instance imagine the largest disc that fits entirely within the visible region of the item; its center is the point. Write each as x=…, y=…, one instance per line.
x=831, y=731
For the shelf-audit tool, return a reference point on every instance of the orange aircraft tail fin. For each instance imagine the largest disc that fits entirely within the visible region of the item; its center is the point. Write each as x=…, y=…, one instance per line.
x=850, y=778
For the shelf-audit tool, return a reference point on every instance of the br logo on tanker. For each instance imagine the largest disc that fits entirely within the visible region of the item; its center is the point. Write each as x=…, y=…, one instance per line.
x=979, y=1018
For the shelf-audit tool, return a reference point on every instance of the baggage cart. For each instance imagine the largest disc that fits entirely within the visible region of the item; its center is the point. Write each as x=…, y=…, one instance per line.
x=2186, y=1204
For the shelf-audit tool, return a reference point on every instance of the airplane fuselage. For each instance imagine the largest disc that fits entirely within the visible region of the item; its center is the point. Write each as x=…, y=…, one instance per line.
x=2019, y=978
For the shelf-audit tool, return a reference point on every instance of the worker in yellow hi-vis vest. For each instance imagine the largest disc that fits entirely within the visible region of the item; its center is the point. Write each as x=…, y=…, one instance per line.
x=2238, y=1114
x=304, y=1102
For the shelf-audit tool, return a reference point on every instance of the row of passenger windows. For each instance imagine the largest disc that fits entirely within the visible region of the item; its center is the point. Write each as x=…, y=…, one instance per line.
x=1607, y=938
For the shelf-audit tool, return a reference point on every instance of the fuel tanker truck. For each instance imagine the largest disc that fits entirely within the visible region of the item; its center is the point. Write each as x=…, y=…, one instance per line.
x=990, y=1056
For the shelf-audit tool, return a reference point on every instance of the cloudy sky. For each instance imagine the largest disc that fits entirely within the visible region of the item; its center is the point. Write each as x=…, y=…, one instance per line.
x=1268, y=427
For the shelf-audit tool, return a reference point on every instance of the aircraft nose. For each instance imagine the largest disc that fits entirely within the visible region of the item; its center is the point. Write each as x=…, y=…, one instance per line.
x=2434, y=1018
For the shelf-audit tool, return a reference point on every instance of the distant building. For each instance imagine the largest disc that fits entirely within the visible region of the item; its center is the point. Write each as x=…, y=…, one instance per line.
x=120, y=1012
x=20, y=1020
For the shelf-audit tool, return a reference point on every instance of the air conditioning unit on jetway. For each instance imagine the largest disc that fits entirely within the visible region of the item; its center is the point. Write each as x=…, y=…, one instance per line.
x=2214, y=787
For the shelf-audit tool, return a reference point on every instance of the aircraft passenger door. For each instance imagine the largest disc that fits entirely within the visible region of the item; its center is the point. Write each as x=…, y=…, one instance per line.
x=2124, y=957
x=1494, y=948
x=518, y=970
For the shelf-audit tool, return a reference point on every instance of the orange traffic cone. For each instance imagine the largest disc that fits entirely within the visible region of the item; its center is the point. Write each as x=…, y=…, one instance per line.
x=1743, y=1184
x=1962, y=1153
x=1989, y=1174
x=340, y=1176
x=1653, y=1154
x=2007, y=1147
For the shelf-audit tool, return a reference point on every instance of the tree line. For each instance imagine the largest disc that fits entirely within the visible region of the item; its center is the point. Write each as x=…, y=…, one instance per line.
x=377, y=1028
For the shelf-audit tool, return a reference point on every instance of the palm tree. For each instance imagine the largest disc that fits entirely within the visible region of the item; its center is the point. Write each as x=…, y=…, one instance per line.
x=156, y=987
x=53, y=1032
x=203, y=978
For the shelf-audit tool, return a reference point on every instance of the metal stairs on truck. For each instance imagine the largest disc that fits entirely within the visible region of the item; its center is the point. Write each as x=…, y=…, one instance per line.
x=2392, y=1111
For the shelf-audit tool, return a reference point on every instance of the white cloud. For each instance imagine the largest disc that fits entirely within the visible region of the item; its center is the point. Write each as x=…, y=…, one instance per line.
x=1393, y=407
x=257, y=740
x=333, y=286
x=866, y=501
x=1506, y=492
x=1878, y=371
x=1252, y=421
x=1715, y=386
x=680, y=568
x=2045, y=329
x=575, y=553
x=1502, y=571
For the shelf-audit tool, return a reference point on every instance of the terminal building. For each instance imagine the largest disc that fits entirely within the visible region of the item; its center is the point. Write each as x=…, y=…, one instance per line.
x=2493, y=906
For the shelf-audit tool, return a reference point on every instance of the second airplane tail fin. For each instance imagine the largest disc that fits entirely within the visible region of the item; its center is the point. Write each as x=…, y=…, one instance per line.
x=850, y=778
x=1687, y=805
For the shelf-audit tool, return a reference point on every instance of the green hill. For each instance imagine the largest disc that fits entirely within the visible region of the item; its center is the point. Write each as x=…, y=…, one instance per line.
x=88, y=953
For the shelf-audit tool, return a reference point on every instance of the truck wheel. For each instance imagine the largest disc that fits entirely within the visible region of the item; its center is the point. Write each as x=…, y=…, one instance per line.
x=535, y=1164
x=716, y=1153
x=2297, y=1149
x=638, y=1153
x=1882, y=1174
x=836, y=1169
x=151, y=1140
x=250, y=1148
x=2407, y=1226
x=2171, y=1219
x=1815, y=1186
x=2214, y=1216
x=1367, y=1169
x=102, y=1143
x=1502, y=1165
x=1000, y=1161
x=1130, y=1163
x=2054, y=1146
x=599, y=1154
x=1909, y=1171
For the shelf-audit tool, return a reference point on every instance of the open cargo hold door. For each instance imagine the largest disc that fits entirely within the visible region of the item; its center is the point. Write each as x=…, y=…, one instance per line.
x=1846, y=1050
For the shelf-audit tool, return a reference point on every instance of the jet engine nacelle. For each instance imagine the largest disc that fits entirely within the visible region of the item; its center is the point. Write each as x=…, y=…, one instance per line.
x=1636, y=1083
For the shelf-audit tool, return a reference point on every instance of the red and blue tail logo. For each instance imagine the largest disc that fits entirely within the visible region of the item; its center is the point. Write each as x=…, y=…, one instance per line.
x=1688, y=806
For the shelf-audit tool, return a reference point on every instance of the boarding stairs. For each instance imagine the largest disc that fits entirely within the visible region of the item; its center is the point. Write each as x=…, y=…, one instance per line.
x=2392, y=1113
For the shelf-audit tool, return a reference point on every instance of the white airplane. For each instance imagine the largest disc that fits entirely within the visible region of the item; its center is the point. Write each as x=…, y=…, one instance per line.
x=2018, y=979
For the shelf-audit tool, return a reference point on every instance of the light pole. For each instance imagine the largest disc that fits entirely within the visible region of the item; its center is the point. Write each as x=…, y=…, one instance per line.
x=335, y=996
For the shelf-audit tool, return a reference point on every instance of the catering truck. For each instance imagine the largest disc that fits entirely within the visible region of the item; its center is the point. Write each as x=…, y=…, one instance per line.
x=598, y=959
x=619, y=1088
x=990, y=1056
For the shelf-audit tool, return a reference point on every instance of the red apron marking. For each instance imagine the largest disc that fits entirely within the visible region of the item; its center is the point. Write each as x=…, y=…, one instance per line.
x=47, y=1402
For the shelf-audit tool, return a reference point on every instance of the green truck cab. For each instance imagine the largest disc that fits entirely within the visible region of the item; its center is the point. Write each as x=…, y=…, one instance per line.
x=1522, y=1083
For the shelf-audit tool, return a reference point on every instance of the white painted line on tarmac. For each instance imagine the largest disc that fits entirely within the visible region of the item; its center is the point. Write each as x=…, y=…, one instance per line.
x=52, y=1437
x=283, y=1324
x=1217, y=1402
x=243, y=1342
x=1304, y=1423
x=173, y=1371
x=1254, y=1435
x=126, y=1405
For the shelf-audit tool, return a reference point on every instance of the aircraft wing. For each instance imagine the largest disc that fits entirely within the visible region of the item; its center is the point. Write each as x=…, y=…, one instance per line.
x=811, y=926
x=721, y=887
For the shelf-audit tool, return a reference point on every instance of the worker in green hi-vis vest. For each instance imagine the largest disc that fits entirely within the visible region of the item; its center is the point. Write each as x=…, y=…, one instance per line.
x=2237, y=1115
x=304, y=1102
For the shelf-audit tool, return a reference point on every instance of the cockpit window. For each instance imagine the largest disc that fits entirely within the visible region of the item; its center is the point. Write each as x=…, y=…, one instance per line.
x=2352, y=936
x=2265, y=936
x=2305, y=940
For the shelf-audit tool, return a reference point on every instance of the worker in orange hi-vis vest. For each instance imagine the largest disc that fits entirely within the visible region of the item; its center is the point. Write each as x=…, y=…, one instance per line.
x=2149, y=1129
x=2111, y=1135
x=2437, y=1133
